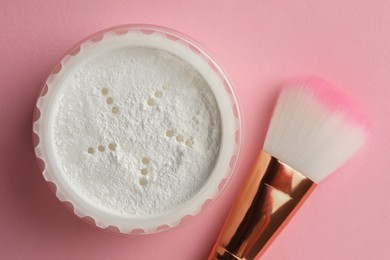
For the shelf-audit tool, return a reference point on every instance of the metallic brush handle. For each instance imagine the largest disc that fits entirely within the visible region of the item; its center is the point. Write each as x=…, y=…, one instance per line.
x=270, y=197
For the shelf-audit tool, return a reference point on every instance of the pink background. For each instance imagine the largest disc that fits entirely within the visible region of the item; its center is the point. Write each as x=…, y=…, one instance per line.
x=259, y=43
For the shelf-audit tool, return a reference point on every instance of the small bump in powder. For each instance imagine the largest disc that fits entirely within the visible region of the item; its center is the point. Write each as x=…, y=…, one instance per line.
x=115, y=110
x=143, y=182
x=101, y=148
x=145, y=160
x=151, y=102
x=109, y=100
x=179, y=138
x=189, y=142
x=104, y=91
x=169, y=133
x=112, y=146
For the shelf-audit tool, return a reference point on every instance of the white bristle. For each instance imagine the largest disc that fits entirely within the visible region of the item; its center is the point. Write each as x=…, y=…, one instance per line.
x=314, y=128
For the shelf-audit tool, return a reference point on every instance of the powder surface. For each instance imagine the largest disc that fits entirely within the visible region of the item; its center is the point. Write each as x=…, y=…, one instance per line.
x=137, y=131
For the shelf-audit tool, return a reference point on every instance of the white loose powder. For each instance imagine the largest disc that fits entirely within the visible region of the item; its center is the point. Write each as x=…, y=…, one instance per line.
x=137, y=131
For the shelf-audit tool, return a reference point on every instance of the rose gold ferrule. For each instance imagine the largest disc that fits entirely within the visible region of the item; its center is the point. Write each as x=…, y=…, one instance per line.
x=272, y=194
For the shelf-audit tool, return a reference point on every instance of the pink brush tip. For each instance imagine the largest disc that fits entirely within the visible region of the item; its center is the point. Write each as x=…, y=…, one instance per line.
x=332, y=97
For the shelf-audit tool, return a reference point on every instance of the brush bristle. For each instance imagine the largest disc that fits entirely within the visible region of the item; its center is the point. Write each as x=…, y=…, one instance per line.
x=315, y=128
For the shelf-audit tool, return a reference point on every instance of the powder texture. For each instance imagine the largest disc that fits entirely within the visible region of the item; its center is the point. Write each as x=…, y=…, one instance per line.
x=136, y=131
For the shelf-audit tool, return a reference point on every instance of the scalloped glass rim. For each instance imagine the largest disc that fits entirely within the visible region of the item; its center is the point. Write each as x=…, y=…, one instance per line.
x=173, y=36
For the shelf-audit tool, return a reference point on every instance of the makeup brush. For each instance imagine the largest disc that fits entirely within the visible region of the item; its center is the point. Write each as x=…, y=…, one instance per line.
x=313, y=131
